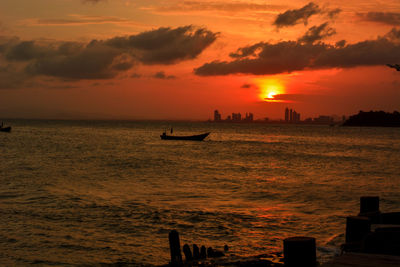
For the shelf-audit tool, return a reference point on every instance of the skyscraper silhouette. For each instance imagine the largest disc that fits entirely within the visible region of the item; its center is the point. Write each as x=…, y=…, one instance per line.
x=217, y=116
x=287, y=115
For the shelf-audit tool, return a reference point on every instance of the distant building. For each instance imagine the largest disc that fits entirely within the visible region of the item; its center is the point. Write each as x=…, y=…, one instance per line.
x=323, y=119
x=249, y=117
x=236, y=117
x=296, y=117
x=287, y=115
x=217, y=116
x=292, y=116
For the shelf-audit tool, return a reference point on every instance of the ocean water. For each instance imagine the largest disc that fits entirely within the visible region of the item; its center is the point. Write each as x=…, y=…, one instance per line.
x=93, y=192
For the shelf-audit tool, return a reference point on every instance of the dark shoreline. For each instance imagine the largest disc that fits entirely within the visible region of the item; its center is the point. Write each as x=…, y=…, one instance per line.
x=374, y=119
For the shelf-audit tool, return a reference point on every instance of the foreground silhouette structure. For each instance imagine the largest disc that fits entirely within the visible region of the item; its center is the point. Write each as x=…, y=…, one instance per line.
x=372, y=239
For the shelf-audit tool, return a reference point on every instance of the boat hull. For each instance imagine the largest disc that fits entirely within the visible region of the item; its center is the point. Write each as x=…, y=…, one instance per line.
x=199, y=137
x=5, y=129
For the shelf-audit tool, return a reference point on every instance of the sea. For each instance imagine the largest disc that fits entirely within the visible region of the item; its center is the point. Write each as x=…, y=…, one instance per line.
x=76, y=193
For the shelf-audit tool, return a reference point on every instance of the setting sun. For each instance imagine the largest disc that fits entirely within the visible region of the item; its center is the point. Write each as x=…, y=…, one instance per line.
x=269, y=88
x=271, y=94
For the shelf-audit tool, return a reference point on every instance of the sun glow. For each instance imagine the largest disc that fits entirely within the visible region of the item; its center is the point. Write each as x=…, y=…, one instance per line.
x=269, y=88
x=271, y=95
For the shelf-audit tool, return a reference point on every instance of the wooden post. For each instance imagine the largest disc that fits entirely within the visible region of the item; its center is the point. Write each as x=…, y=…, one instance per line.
x=196, y=252
x=187, y=252
x=175, y=248
x=299, y=251
x=357, y=228
x=203, y=253
x=369, y=204
x=210, y=252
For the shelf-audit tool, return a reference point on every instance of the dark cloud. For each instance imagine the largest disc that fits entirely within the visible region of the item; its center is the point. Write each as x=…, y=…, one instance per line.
x=58, y=86
x=93, y=62
x=123, y=62
x=135, y=75
x=302, y=98
x=293, y=97
x=27, y=50
x=317, y=33
x=340, y=43
x=247, y=86
x=104, y=59
x=286, y=57
x=162, y=75
x=272, y=59
x=393, y=35
x=332, y=13
x=166, y=45
x=294, y=16
x=247, y=51
x=390, y=18
x=93, y=1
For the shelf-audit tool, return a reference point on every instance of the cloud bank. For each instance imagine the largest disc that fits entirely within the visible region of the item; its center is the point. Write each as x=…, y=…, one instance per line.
x=302, y=15
x=163, y=76
x=295, y=16
x=288, y=56
x=166, y=45
x=317, y=33
x=102, y=59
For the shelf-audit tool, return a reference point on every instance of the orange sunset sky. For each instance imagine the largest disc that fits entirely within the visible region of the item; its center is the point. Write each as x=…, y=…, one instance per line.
x=153, y=59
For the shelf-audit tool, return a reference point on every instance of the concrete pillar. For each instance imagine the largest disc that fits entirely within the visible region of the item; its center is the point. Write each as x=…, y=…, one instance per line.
x=357, y=228
x=390, y=218
x=369, y=204
x=369, y=207
x=299, y=251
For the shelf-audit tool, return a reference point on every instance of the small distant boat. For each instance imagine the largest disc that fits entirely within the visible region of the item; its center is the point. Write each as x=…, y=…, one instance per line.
x=198, y=137
x=5, y=129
